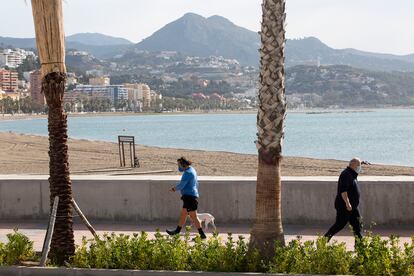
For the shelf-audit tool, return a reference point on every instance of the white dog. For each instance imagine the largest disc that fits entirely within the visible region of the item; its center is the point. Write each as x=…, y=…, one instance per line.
x=207, y=219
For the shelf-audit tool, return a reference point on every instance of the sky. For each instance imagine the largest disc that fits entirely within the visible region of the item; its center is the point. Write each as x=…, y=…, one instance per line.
x=371, y=25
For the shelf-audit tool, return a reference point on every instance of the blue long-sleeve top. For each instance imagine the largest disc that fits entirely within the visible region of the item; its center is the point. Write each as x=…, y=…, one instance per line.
x=189, y=183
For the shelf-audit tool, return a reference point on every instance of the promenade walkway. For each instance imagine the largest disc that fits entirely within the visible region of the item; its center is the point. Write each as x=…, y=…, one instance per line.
x=36, y=231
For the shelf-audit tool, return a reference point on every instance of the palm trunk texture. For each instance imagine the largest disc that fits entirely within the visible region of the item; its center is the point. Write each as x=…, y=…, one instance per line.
x=50, y=41
x=267, y=229
x=63, y=245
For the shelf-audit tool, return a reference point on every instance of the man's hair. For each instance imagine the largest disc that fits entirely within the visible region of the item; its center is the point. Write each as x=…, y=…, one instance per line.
x=184, y=161
x=355, y=160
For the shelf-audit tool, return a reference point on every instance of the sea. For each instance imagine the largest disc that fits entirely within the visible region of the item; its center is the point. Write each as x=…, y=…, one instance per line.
x=382, y=136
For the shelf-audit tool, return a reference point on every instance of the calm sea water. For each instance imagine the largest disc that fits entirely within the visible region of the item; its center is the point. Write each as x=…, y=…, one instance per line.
x=381, y=136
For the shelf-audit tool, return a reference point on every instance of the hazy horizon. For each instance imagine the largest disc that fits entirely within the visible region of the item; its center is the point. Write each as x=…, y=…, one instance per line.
x=339, y=24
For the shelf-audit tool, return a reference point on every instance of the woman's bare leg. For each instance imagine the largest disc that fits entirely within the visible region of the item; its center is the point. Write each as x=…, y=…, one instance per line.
x=181, y=222
x=195, y=220
x=183, y=217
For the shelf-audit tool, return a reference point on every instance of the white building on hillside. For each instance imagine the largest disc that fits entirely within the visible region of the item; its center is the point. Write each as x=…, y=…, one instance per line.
x=13, y=58
x=100, y=81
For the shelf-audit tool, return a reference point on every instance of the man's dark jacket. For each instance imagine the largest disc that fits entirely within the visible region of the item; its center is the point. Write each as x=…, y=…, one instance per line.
x=348, y=182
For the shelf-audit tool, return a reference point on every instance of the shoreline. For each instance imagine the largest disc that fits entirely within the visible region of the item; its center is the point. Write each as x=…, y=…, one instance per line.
x=22, y=116
x=28, y=154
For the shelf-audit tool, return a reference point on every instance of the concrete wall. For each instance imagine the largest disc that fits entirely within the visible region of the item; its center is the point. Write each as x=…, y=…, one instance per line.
x=306, y=200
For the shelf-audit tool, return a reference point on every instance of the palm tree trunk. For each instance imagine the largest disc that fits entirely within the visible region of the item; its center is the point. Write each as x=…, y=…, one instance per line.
x=48, y=19
x=63, y=245
x=268, y=228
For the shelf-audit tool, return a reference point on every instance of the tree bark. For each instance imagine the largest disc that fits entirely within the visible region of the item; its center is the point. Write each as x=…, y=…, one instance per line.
x=62, y=246
x=268, y=228
x=50, y=42
x=271, y=114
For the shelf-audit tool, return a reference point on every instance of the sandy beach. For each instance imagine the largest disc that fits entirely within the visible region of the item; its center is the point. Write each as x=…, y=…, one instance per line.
x=28, y=154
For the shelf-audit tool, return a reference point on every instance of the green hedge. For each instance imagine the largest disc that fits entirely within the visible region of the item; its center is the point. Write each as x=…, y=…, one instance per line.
x=18, y=248
x=372, y=255
x=165, y=253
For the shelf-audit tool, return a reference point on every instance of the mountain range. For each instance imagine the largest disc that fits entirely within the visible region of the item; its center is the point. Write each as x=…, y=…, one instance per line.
x=311, y=49
x=195, y=35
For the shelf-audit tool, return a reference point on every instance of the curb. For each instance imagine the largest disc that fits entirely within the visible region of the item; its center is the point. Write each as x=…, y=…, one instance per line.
x=52, y=271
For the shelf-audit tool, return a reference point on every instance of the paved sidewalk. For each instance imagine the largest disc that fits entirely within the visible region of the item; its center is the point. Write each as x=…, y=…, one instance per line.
x=36, y=231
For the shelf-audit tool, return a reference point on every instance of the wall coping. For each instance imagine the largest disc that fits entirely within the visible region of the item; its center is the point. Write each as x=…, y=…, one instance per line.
x=209, y=178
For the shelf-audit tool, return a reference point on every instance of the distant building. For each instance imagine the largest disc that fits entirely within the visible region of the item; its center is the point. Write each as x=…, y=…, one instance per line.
x=203, y=83
x=13, y=95
x=24, y=93
x=13, y=58
x=217, y=97
x=22, y=84
x=8, y=80
x=36, y=88
x=146, y=97
x=155, y=96
x=3, y=60
x=100, y=81
x=134, y=91
x=311, y=62
x=94, y=72
x=114, y=93
x=199, y=96
x=118, y=93
x=141, y=92
x=26, y=75
x=71, y=79
x=138, y=91
x=167, y=54
x=77, y=53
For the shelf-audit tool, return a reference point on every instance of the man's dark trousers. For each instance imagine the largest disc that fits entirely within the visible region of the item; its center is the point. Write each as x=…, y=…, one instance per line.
x=344, y=216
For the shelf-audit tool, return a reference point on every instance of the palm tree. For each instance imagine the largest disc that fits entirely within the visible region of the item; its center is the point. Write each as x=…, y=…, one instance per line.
x=270, y=124
x=50, y=40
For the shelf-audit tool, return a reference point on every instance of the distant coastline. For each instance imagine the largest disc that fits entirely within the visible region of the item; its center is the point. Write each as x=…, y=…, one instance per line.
x=9, y=117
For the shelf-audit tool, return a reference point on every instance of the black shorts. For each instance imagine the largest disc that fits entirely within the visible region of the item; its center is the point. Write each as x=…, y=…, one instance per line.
x=189, y=202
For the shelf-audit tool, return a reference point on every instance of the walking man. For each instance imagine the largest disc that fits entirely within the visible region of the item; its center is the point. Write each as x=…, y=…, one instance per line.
x=347, y=200
x=188, y=187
